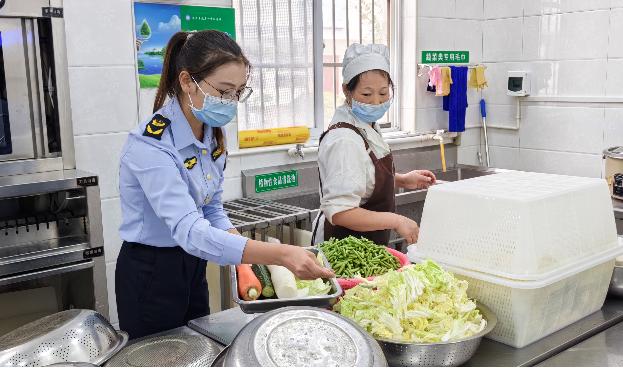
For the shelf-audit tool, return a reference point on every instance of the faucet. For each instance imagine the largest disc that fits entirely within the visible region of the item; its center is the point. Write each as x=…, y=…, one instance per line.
x=299, y=151
x=439, y=137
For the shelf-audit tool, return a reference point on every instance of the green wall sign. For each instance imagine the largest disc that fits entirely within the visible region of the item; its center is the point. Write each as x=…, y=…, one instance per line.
x=277, y=180
x=445, y=57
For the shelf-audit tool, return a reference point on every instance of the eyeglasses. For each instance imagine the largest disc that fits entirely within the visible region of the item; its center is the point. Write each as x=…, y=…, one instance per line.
x=230, y=95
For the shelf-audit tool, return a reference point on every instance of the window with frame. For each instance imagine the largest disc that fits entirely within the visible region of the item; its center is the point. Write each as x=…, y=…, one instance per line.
x=345, y=22
x=278, y=37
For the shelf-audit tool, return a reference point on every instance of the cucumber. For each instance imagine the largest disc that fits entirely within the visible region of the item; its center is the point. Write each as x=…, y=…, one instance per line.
x=262, y=273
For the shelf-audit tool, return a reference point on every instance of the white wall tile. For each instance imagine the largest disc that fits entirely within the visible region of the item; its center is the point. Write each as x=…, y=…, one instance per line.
x=574, y=35
x=531, y=38
x=537, y=7
x=501, y=115
x=470, y=137
x=469, y=37
x=502, y=40
x=469, y=9
x=232, y=188
x=99, y=32
x=468, y=155
x=472, y=115
x=616, y=4
x=614, y=81
x=503, y=8
x=503, y=137
x=146, y=99
x=613, y=134
x=111, y=220
x=615, y=48
x=434, y=34
x=431, y=119
x=233, y=167
x=100, y=154
x=571, y=129
x=569, y=78
x=436, y=8
x=563, y=163
x=423, y=97
x=103, y=99
x=112, y=299
x=504, y=157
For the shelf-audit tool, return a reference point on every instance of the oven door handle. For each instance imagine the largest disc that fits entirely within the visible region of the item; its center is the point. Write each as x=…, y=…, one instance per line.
x=37, y=274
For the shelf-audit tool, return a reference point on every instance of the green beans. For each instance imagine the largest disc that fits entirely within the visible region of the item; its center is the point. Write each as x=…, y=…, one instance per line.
x=350, y=257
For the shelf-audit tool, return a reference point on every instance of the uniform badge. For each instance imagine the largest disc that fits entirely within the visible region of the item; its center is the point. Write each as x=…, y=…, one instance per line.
x=190, y=162
x=155, y=128
x=218, y=151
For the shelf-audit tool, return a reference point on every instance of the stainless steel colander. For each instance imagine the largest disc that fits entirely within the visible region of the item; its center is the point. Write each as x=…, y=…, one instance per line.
x=168, y=351
x=76, y=335
x=452, y=353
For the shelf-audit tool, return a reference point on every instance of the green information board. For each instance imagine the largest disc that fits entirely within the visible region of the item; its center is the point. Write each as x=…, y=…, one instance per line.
x=277, y=180
x=445, y=57
x=197, y=18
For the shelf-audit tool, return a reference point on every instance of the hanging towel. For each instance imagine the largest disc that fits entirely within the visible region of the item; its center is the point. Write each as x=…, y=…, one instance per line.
x=477, y=78
x=434, y=79
x=446, y=81
x=456, y=102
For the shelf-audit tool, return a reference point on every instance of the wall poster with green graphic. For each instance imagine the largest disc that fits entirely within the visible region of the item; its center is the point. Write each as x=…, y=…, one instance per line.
x=156, y=23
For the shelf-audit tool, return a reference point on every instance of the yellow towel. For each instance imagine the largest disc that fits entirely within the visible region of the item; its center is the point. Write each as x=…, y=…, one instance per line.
x=446, y=81
x=477, y=77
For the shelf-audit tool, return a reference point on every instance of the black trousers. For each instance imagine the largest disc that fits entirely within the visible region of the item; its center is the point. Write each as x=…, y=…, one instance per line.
x=158, y=289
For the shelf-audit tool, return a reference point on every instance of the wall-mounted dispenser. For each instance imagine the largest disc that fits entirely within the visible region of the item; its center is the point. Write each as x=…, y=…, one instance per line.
x=518, y=83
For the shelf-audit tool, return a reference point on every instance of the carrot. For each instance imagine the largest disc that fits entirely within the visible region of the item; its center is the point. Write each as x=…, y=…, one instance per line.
x=249, y=286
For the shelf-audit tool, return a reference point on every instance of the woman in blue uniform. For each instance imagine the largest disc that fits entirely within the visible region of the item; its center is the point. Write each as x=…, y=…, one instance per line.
x=171, y=183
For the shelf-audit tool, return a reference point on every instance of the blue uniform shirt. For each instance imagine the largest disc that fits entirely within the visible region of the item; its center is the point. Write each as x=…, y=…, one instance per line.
x=171, y=186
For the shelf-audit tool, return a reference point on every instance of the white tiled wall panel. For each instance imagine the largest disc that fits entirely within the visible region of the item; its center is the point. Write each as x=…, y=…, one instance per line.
x=614, y=81
x=504, y=157
x=436, y=8
x=99, y=32
x=538, y=7
x=103, y=99
x=570, y=129
x=100, y=154
x=613, y=134
x=494, y=9
x=468, y=155
x=502, y=40
x=564, y=163
x=469, y=9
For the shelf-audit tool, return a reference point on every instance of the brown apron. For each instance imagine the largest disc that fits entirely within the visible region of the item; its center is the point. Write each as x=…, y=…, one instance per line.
x=381, y=200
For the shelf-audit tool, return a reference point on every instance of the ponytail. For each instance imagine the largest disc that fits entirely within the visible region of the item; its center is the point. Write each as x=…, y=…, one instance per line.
x=168, y=78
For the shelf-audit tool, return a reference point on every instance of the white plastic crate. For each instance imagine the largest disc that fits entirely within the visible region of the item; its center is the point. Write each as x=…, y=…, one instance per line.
x=517, y=225
x=527, y=311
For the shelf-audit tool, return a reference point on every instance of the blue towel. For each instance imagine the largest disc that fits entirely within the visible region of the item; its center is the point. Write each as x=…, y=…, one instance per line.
x=456, y=102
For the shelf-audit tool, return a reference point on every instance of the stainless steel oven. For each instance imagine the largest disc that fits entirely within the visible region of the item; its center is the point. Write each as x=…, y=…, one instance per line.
x=51, y=242
x=35, y=119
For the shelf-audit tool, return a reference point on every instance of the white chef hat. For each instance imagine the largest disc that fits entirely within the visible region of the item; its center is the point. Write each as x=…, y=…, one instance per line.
x=360, y=58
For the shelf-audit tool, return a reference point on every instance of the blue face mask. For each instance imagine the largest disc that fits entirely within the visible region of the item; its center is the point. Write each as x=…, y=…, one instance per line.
x=369, y=113
x=215, y=112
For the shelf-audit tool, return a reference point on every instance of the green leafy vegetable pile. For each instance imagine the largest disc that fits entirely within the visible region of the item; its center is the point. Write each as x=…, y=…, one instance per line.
x=352, y=257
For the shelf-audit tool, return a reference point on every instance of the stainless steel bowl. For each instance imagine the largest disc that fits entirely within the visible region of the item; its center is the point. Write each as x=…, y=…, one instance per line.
x=453, y=353
x=302, y=336
x=616, y=283
x=73, y=336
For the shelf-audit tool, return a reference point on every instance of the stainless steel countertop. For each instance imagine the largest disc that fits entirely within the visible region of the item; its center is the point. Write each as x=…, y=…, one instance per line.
x=492, y=353
x=604, y=350
x=223, y=327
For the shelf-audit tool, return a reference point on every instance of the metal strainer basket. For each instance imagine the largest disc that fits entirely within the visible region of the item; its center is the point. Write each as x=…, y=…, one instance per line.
x=168, y=351
x=452, y=353
x=76, y=335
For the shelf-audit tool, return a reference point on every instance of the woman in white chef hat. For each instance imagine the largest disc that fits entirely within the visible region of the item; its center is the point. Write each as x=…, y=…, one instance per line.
x=357, y=174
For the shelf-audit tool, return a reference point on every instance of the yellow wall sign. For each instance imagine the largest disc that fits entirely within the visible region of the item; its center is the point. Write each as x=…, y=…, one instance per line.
x=272, y=137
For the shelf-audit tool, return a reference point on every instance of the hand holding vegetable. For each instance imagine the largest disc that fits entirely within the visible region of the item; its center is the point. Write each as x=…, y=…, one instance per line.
x=301, y=262
x=304, y=264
